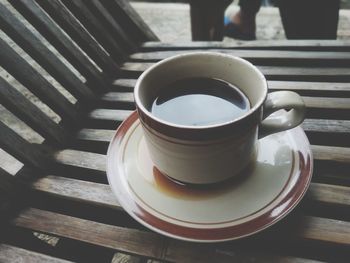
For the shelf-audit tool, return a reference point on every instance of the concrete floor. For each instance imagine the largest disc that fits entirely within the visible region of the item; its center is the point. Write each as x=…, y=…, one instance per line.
x=171, y=22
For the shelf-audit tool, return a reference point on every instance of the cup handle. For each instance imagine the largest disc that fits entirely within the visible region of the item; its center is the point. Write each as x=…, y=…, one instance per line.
x=281, y=100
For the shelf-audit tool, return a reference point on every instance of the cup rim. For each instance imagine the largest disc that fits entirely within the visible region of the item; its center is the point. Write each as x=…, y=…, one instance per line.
x=146, y=112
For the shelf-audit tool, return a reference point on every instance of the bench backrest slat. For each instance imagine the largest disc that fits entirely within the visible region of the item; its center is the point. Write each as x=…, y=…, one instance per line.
x=30, y=43
x=65, y=19
x=21, y=149
x=111, y=25
x=25, y=110
x=128, y=19
x=96, y=29
x=19, y=68
x=53, y=34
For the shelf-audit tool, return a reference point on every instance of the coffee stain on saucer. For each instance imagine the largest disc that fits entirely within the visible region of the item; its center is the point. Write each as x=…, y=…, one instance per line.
x=187, y=191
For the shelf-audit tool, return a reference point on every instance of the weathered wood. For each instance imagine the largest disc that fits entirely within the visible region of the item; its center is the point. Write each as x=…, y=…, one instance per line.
x=11, y=254
x=41, y=21
x=36, y=83
x=123, y=85
x=271, y=73
x=64, y=18
x=318, y=107
x=124, y=258
x=96, y=29
x=122, y=239
x=20, y=106
x=261, y=57
x=329, y=153
x=121, y=100
x=106, y=118
x=101, y=194
x=21, y=149
x=327, y=126
x=106, y=18
x=9, y=189
x=130, y=19
x=330, y=89
x=77, y=190
x=311, y=45
x=37, y=50
x=155, y=246
x=330, y=194
x=80, y=159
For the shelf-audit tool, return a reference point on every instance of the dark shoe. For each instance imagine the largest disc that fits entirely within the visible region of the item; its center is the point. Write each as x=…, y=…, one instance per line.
x=232, y=30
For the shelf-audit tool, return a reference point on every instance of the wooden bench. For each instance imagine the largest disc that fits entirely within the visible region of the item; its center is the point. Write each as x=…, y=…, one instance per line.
x=68, y=72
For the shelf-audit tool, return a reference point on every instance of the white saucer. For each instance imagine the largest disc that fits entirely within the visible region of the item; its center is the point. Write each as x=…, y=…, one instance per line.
x=263, y=194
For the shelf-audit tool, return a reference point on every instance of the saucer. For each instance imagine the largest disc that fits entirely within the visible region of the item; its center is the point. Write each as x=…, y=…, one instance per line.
x=263, y=194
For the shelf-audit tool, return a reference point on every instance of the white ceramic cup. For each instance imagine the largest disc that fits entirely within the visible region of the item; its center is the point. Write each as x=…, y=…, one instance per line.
x=212, y=153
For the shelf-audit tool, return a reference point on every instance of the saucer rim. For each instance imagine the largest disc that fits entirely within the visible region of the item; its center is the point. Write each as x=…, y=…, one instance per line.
x=295, y=200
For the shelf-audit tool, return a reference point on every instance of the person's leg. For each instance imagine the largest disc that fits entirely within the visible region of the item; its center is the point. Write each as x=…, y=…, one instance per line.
x=309, y=19
x=207, y=19
x=243, y=24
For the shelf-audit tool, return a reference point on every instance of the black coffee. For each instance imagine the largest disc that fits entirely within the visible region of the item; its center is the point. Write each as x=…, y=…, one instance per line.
x=200, y=102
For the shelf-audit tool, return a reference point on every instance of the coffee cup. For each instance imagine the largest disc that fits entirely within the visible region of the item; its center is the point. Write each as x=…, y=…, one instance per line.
x=211, y=152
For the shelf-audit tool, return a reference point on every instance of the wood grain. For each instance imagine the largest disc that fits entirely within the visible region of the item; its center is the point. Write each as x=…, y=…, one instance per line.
x=155, y=246
x=134, y=69
x=36, y=83
x=130, y=19
x=11, y=254
x=20, y=106
x=46, y=58
x=80, y=159
x=260, y=56
x=329, y=153
x=122, y=35
x=77, y=190
x=96, y=29
x=64, y=18
x=330, y=194
x=42, y=22
x=21, y=149
x=310, y=45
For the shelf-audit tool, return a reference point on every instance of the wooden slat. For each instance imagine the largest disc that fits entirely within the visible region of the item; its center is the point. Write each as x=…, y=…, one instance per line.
x=108, y=119
x=331, y=89
x=155, y=246
x=318, y=107
x=80, y=159
x=9, y=190
x=41, y=21
x=77, y=190
x=122, y=35
x=96, y=29
x=11, y=254
x=101, y=194
x=324, y=45
x=95, y=135
x=80, y=35
x=320, y=103
x=330, y=194
x=128, y=240
x=38, y=51
x=21, y=149
x=328, y=153
x=37, y=84
x=123, y=84
x=270, y=72
x=20, y=106
x=327, y=126
x=130, y=19
x=261, y=56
